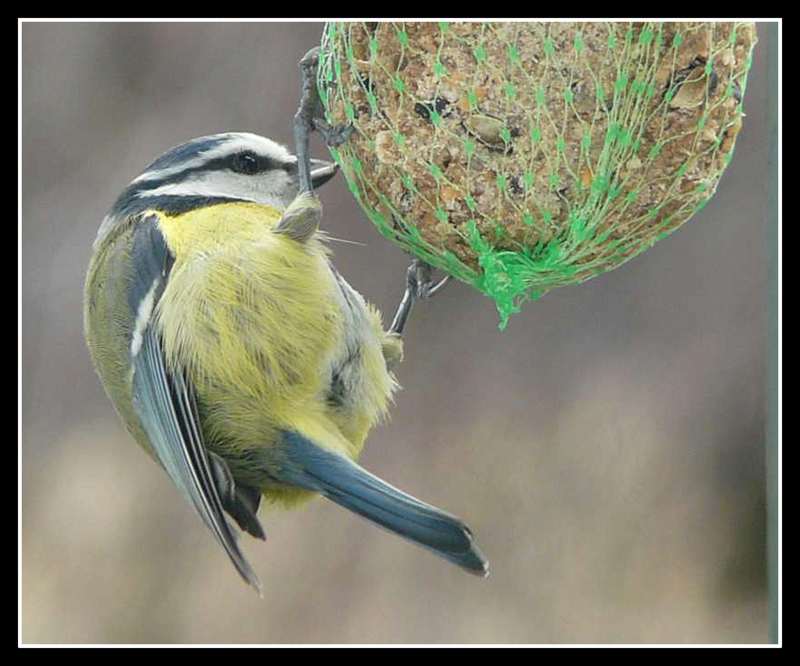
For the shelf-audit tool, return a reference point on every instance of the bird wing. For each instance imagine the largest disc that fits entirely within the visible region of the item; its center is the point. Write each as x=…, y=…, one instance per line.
x=164, y=398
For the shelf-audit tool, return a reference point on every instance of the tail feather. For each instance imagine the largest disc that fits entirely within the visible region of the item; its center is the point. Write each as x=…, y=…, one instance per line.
x=345, y=483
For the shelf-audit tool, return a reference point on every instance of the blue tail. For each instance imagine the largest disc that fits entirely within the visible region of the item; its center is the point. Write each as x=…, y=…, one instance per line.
x=344, y=482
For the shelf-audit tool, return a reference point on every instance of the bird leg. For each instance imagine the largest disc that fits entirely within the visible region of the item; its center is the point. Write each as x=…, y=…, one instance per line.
x=419, y=284
x=309, y=117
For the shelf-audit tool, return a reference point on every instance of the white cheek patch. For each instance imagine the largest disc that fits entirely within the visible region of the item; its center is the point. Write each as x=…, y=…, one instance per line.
x=274, y=188
x=143, y=317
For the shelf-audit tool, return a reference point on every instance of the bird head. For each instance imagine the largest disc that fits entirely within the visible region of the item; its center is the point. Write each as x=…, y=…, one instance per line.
x=227, y=167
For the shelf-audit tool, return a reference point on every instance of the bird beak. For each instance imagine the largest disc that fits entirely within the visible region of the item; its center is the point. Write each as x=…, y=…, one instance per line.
x=322, y=172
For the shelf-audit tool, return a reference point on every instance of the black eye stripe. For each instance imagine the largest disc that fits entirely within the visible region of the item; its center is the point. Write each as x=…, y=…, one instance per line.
x=239, y=163
x=217, y=164
x=247, y=162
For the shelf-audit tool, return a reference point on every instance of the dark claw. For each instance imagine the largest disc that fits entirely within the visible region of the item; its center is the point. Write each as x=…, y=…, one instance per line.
x=422, y=280
x=430, y=289
x=419, y=285
x=334, y=135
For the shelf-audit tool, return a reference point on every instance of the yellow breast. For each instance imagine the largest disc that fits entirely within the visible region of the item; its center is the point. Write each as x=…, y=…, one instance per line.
x=253, y=317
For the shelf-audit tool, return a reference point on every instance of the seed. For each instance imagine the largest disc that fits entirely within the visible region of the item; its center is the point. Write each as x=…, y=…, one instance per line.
x=487, y=128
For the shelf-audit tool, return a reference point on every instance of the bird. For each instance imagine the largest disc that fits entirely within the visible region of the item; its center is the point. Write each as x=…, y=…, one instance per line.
x=235, y=353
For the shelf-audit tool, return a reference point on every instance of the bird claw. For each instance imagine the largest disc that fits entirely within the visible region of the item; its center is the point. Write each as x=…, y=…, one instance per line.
x=333, y=135
x=419, y=285
x=419, y=279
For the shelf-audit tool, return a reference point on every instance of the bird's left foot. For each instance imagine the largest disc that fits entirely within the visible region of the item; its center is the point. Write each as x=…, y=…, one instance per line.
x=310, y=117
x=333, y=135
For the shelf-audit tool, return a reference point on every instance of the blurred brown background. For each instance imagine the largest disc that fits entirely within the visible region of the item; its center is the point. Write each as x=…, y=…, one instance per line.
x=607, y=449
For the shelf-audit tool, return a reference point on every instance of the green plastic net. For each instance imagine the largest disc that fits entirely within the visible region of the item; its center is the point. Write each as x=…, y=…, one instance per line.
x=519, y=157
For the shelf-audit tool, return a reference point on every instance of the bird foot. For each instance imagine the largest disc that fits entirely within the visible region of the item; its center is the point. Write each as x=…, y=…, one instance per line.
x=333, y=135
x=309, y=117
x=419, y=285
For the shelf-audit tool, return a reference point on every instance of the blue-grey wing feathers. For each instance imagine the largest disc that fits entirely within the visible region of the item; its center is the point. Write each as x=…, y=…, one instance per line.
x=166, y=406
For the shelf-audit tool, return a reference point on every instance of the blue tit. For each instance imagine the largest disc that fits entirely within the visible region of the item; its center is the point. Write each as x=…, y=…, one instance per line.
x=234, y=352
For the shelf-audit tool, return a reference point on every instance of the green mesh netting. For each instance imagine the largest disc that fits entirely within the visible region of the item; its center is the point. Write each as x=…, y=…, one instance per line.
x=519, y=157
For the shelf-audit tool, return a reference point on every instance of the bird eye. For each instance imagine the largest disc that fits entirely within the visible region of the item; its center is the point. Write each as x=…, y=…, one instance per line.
x=245, y=162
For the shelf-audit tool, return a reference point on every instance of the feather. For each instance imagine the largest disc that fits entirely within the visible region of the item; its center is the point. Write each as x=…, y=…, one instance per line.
x=165, y=403
x=349, y=485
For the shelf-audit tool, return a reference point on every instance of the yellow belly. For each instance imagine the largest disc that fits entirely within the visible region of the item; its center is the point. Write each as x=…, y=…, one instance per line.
x=256, y=319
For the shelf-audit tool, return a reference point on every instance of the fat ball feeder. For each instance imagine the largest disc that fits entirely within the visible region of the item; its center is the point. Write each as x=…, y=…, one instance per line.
x=520, y=157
